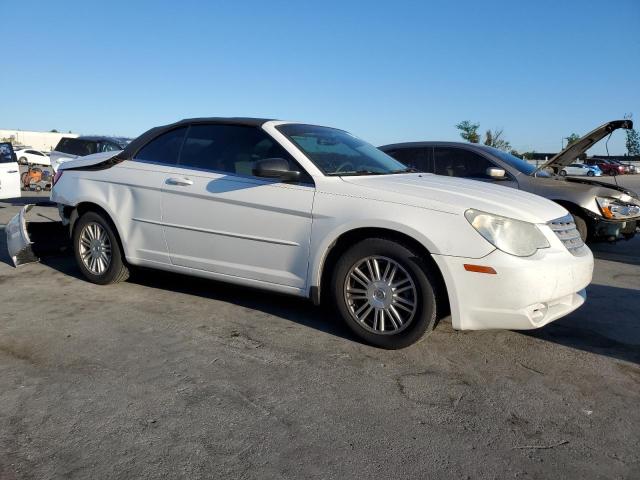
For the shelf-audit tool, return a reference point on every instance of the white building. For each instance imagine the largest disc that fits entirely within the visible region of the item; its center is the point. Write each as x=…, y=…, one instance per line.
x=44, y=141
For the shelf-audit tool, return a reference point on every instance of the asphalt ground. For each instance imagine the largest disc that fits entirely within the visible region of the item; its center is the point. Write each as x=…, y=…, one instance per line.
x=167, y=376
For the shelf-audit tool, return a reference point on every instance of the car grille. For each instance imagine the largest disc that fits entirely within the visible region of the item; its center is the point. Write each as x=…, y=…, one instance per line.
x=565, y=229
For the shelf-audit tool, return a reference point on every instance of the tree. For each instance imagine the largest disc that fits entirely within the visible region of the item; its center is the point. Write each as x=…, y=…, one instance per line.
x=53, y=131
x=469, y=131
x=633, y=142
x=573, y=138
x=633, y=139
x=494, y=139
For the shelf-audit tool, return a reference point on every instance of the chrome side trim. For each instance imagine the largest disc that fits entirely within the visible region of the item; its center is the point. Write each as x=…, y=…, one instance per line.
x=220, y=232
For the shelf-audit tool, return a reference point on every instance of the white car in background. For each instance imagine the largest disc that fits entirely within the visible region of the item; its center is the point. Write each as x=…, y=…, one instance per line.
x=29, y=156
x=315, y=212
x=579, y=169
x=9, y=172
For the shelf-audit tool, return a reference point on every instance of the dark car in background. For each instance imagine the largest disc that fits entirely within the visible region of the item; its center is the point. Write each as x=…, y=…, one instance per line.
x=69, y=148
x=628, y=168
x=608, y=167
x=601, y=210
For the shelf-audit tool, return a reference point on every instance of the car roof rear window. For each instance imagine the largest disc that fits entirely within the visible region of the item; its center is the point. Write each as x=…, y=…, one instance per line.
x=76, y=146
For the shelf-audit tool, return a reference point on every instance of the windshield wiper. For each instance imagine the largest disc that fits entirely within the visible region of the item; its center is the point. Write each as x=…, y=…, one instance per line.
x=406, y=170
x=355, y=172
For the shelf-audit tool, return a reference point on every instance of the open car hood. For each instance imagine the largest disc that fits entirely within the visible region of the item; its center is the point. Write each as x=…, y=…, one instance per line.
x=573, y=151
x=587, y=181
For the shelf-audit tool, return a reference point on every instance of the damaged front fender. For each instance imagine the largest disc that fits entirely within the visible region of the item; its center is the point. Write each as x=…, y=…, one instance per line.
x=18, y=242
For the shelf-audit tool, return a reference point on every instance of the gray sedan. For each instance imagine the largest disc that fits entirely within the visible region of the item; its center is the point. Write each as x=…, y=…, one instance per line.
x=601, y=211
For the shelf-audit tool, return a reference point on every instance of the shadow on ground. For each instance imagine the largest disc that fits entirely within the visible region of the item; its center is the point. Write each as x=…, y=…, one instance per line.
x=607, y=324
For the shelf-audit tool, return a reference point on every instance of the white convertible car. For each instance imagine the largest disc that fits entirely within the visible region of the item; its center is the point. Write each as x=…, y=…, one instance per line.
x=315, y=212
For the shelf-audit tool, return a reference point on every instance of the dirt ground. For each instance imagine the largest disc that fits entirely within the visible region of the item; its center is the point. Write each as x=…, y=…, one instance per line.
x=167, y=376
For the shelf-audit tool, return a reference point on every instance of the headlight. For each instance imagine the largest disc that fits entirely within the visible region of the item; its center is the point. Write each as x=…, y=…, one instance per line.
x=515, y=237
x=617, y=208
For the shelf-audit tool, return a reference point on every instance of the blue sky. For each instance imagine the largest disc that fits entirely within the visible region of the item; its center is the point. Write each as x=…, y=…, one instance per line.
x=386, y=71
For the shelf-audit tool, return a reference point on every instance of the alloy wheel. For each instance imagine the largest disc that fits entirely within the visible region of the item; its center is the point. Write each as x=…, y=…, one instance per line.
x=95, y=248
x=381, y=295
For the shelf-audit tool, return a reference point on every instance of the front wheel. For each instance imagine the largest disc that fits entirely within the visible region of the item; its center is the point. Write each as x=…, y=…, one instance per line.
x=97, y=250
x=563, y=173
x=590, y=174
x=385, y=292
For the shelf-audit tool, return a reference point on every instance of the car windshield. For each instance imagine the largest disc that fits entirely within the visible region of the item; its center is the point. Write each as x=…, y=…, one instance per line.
x=336, y=152
x=517, y=163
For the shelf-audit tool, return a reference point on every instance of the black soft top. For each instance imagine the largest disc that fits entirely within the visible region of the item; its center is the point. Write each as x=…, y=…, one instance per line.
x=147, y=136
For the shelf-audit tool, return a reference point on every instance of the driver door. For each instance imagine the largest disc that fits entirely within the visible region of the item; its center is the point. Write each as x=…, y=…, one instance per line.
x=9, y=173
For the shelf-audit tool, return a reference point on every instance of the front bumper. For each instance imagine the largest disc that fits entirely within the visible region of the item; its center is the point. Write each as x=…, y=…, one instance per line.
x=525, y=293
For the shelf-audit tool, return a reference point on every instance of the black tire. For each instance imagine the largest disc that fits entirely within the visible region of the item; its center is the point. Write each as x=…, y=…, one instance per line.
x=117, y=270
x=414, y=265
x=590, y=174
x=563, y=173
x=582, y=227
x=23, y=161
x=613, y=173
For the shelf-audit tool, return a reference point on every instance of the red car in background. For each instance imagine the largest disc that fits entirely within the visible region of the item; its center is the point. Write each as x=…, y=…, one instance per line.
x=608, y=167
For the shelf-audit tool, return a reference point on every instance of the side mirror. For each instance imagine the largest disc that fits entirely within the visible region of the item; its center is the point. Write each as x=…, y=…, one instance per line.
x=497, y=173
x=275, y=168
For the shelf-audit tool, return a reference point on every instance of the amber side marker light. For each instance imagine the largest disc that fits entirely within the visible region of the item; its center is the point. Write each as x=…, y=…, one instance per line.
x=479, y=269
x=606, y=212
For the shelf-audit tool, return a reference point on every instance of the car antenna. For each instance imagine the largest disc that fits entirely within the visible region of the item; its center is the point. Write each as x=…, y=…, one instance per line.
x=606, y=146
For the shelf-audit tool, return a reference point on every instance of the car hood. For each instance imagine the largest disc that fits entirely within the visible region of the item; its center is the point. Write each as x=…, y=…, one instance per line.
x=579, y=191
x=89, y=160
x=456, y=195
x=573, y=151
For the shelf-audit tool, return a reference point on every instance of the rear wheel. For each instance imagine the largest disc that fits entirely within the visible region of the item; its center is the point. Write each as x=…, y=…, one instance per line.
x=590, y=173
x=385, y=292
x=97, y=250
x=563, y=173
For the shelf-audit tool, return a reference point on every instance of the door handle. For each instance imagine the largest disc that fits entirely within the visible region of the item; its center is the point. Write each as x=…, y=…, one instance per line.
x=181, y=181
x=12, y=171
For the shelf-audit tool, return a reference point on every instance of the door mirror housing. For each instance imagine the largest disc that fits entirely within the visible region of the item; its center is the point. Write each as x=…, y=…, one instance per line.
x=496, y=173
x=275, y=168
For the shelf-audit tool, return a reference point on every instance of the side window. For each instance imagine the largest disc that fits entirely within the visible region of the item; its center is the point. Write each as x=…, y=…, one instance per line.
x=411, y=157
x=230, y=148
x=163, y=149
x=457, y=162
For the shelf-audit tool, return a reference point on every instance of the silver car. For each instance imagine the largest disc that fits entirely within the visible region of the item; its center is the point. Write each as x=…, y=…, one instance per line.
x=601, y=210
